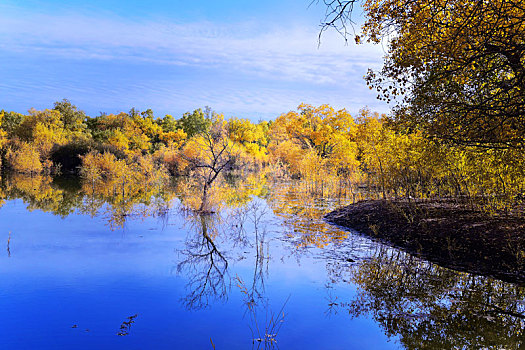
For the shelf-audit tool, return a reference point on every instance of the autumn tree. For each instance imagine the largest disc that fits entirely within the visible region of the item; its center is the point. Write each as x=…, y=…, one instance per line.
x=324, y=133
x=3, y=133
x=208, y=155
x=11, y=121
x=73, y=119
x=454, y=68
x=196, y=122
x=167, y=123
x=121, y=182
x=42, y=130
x=129, y=134
x=24, y=158
x=251, y=139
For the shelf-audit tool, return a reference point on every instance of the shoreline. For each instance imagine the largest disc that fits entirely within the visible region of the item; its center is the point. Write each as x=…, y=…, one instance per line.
x=444, y=232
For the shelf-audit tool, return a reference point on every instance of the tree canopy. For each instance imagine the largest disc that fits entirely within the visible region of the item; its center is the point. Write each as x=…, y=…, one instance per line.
x=454, y=68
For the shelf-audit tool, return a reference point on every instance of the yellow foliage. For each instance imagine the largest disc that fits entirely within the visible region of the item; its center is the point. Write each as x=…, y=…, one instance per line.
x=103, y=166
x=121, y=183
x=37, y=191
x=328, y=133
x=287, y=152
x=3, y=134
x=24, y=158
x=174, y=139
x=119, y=140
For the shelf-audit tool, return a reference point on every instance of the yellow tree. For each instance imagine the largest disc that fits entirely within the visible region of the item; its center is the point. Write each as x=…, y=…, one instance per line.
x=455, y=68
x=3, y=133
x=24, y=157
x=208, y=155
x=42, y=129
x=315, y=139
x=252, y=139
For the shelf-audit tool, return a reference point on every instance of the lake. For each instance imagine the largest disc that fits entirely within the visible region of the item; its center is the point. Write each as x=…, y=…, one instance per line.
x=83, y=270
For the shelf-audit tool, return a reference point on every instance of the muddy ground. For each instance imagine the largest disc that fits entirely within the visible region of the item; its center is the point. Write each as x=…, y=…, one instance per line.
x=447, y=232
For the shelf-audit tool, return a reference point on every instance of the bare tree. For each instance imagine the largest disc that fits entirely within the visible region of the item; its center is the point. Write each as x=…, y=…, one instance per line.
x=209, y=154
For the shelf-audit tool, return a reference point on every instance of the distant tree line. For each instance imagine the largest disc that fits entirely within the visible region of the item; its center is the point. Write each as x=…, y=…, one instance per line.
x=331, y=151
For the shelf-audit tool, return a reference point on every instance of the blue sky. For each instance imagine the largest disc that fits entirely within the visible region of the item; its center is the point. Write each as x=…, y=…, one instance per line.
x=249, y=59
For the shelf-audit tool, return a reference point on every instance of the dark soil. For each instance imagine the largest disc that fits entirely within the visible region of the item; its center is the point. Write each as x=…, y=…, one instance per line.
x=446, y=232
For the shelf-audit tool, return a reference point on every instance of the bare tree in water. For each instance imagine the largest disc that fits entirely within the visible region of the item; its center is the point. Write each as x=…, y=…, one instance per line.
x=209, y=154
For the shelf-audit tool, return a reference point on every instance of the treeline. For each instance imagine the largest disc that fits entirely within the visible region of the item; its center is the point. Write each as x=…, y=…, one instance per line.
x=332, y=152
x=58, y=139
x=372, y=155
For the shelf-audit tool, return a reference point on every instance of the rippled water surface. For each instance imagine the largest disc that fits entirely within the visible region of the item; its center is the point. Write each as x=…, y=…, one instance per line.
x=79, y=271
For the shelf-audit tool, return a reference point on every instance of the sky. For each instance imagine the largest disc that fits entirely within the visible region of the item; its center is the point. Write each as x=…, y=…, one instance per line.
x=246, y=59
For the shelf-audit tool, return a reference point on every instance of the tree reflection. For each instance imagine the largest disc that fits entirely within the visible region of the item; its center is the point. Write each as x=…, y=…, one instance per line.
x=264, y=323
x=264, y=331
x=253, y=214
x=205, y=266
x=115, y=201
x=303, y=214
x=425, y=306
x=39, y=192
x=234, y=190
x=9, y=245
x=435, y=308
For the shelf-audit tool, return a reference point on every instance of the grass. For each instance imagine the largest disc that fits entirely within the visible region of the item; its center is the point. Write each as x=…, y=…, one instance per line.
x=263, y=334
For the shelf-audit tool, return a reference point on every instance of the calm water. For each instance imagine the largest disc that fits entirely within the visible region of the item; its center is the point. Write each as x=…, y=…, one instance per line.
x=82, y=272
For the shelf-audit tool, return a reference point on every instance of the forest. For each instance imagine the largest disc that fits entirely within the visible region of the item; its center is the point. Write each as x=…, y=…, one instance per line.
x=453, y=75
x=330, y=151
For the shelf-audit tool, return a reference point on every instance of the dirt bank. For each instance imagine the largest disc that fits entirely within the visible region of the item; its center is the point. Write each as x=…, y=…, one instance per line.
x=445, y=232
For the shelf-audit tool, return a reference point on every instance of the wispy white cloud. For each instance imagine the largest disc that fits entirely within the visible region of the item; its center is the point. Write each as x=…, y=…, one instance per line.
x=287, y=53
x=286, y=59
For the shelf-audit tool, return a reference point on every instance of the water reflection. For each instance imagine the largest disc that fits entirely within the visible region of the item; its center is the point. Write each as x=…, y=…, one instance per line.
x=213, y=242
x=264, y=330
x=262, y=225
x=264, y=323
x=115, y=201
x=303, y=212
x=431, y=307
x=204, y=261
x=39, y=192
x=229, y=191
x=203, y=264
x=125, y=327
x=9, y=245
